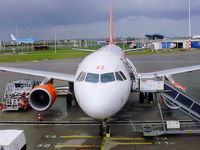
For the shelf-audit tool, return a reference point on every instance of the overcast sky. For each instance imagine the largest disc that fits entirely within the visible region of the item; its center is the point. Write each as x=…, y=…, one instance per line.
x=39, y=19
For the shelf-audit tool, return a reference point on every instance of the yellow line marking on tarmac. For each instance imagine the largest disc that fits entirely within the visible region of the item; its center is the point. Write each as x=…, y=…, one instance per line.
x=149, y=143
x=91, y=137
x=101, y=146
x=124, y=139
x=80, y=137
x=104, y=143
x=81, y=146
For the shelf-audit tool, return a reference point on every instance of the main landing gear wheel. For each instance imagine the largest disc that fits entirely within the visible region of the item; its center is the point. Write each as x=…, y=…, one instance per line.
x=141, y=98
x=69, y=99
x=150, y=98
x=147, y=96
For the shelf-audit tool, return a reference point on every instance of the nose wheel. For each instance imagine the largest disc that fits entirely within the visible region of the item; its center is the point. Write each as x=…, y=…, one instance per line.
x=104, y=129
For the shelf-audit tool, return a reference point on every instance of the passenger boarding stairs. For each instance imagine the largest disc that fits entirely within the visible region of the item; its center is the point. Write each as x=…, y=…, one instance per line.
x=182, y=100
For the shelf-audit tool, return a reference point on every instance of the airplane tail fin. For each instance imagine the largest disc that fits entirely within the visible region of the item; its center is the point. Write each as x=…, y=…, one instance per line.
x=111, y=27
x=13, y=37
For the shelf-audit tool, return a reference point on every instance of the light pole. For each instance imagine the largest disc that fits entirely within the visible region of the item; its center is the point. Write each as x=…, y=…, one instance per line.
x=0, y=47
x=55, y=42
x=17, y=31
x=189, y=23
x=17, y=35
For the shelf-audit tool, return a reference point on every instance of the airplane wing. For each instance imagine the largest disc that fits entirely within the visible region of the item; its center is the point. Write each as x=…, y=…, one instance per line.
x=86, y=50
x=89, y=50
x=130, y=50
x=171, y=71
x=51, y=75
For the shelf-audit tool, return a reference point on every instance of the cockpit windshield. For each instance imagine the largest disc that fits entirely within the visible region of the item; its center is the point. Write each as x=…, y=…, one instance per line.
x=107, y=77
x=104, y=78
x=92, y=77
x=81, y=76
x=122, y=74
x=118, y=76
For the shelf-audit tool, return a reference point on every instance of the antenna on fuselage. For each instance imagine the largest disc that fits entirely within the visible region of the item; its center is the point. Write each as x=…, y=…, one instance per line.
x=111, y=27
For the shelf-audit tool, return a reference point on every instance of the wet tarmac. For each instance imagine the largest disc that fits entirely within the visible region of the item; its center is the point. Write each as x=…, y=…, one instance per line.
x=86, y=136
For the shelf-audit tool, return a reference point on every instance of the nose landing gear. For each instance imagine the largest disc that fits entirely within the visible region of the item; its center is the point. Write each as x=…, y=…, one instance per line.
x=104, y=129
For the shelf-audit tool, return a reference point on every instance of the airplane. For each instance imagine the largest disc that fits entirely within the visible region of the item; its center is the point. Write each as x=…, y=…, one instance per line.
x=14, y=40
x=101, y=85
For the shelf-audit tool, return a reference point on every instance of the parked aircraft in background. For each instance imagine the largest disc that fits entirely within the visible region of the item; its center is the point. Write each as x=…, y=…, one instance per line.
x=102, y=83
x=14, y=40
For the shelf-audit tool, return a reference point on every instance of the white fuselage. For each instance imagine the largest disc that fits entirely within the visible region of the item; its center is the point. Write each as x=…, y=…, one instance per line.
x=100, y=92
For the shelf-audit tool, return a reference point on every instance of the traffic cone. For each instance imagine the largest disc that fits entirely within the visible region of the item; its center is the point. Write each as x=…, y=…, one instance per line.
x=39, y=117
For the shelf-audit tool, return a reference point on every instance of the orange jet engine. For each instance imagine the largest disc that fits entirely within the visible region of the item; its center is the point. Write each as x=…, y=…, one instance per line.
x=42, y=97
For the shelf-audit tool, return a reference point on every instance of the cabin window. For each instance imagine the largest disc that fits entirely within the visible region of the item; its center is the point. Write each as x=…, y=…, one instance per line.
x=107, y=77
x=92, y=77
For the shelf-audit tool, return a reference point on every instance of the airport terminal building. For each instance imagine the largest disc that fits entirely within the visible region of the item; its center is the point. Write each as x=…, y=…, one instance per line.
x=179, y=43
x=161, y=42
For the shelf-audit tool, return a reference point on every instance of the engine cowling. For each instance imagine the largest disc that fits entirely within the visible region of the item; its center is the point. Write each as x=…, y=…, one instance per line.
x=42, y=97
x=170, y=79
x=178, y=85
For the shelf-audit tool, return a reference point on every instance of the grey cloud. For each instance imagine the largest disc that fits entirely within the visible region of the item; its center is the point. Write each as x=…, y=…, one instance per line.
x=38, y=15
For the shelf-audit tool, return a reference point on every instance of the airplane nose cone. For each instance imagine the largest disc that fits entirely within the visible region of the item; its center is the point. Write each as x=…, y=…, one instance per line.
x=101, y=104
x=100, y=108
